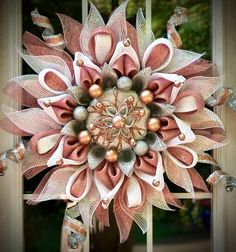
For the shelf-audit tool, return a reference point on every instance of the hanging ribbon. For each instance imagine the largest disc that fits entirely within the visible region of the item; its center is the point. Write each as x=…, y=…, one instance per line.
x=51, y=39
x=179, y=17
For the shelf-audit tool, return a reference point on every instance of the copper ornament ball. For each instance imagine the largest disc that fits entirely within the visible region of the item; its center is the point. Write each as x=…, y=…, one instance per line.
x=153, y=124
x=111, y=155
x=146, y=97
x=118, y=122
x=84, y=137
x=95, y=91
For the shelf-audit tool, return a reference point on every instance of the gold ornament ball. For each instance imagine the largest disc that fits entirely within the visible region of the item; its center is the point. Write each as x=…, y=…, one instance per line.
x=118, y=122
x=111, y=155
x=84, y=137
x=146, y=96
x=153, y=124
x=95, y=91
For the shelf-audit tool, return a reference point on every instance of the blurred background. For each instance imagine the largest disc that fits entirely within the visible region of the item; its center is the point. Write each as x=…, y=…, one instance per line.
x=184, y=230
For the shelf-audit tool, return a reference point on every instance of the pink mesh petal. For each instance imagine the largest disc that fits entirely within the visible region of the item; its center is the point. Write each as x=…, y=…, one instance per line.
x=170, y=199
x=147, y=163
x=54, y=82
x=197, y=180
x=8, y=126
x=132, y=35
x=73, y=150
x=203, y=143
x=89, y=76
x=53, y=185
x=197, y=67
x=71, y=31
x=182, y=155
x=37, y=47
x=30, y=120
x=166, y=135
x=102, y=215
x=117, y=21
x=102, y=43
x=158, y=56
x=33, y=141
x=189, y=102
x=79, y=185
x=30, y=84
x=109, y=174
x=161, y=89
x=24, y=98
x=203, y=120
x=124, y=221
x=206, y=86
x=168, y=123
x=177, y=175
x=125, y=66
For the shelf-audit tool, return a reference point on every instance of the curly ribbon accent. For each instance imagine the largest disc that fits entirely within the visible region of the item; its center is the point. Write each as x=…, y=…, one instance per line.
x=51, y=39
x=15, y=154
x=74, y=234
x=221, y=98
x=179, y=17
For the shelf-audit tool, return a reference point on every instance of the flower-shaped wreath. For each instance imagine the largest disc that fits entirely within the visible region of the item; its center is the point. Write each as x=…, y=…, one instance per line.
x=109, y=124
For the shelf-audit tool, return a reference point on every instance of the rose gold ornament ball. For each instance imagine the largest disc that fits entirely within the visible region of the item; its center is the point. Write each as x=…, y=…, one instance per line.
x=111, y=155
x=84, y=137
x=153, y=124
x=146, y=96
x=118, y=122
x=95, y=91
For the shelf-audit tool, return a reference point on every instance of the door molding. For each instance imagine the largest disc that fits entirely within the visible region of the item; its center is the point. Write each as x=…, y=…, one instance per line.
x=11, y=186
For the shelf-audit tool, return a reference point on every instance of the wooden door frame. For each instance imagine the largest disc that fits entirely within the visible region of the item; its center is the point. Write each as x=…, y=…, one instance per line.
x=11, y=185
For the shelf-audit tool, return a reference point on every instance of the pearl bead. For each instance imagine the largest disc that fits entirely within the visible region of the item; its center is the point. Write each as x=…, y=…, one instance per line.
x=118, y=122
x=47, y=103
x=132, y=142
x=80, y=113
x=95, y=91
x=124, y=83
x=127, y=42
x=80, y=63
x=111, y=155
x=141, y=148
x=155, y=182
x=92, y=126
x=177, y=84
x=153, y=124
x=146, y=96
x=59, y=162
x=105, y=144
x=181, y=137
x=130, y=98
x=84, y=137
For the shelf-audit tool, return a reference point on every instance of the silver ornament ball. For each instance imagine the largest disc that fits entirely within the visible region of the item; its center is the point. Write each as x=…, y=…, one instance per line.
x=124, y=83
x=141, y=148
x=80, y=113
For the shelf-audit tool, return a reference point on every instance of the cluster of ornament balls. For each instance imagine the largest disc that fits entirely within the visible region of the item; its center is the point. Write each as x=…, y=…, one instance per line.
x=124, y=84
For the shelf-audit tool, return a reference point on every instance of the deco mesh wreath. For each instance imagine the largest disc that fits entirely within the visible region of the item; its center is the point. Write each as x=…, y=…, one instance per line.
x=109, y=123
